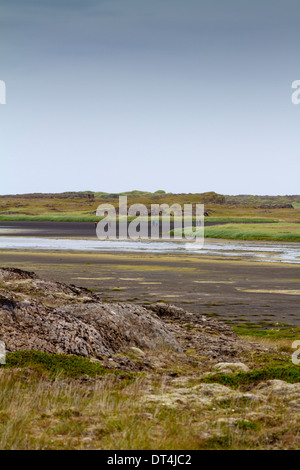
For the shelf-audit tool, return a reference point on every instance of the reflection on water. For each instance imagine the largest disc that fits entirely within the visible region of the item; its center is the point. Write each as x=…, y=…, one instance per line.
x=246, y=250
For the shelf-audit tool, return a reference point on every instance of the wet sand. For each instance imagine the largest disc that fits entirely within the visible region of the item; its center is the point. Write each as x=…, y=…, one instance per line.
x=48, y=229
x=232, y=290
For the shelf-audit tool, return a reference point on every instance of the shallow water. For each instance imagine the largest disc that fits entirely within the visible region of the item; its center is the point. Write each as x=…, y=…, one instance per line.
x=246, y=250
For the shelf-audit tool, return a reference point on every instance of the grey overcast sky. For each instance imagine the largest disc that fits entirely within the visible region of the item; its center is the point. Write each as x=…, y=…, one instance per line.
x=180, y=95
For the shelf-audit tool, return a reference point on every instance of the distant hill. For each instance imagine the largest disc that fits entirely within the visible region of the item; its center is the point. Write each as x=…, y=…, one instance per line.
x=210, y=197
x=82, y=205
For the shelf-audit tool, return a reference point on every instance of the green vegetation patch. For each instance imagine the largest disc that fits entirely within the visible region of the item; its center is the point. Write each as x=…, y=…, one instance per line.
x=280, y=231
x=242, y=220
x=67, y=365
x=290, y=373
x=78, y=216
x=269, y=231
x=275, y=334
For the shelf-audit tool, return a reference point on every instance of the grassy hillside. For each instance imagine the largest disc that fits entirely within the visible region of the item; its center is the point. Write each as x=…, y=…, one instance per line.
x=51, y=401
x=82, y=206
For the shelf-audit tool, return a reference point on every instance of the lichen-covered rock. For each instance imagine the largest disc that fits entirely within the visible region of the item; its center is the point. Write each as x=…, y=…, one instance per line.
x=230, y=367
x=204, y=395
x=285, y=391
x=80, y=323
x=58, y=318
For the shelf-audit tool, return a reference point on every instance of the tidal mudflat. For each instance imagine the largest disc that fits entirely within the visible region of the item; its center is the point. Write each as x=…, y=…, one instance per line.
x=239, y=292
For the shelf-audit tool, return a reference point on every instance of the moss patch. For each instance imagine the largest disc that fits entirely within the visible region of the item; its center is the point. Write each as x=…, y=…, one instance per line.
x=66, y=365
x=289, y=374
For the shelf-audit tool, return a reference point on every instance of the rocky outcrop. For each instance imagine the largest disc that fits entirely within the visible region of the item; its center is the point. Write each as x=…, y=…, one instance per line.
x=201, y=335
x=60, y=318
x=78, y=323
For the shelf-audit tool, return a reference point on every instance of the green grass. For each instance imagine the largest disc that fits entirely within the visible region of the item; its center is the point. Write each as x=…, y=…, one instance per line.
x=241, y=220
x=278, y=231
x=107, y=413
x=66, y=365
x=282, y=231
x=89, y=216
x=245, y=425
x=290, y=373
x=85, y=216
x=275, y=334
